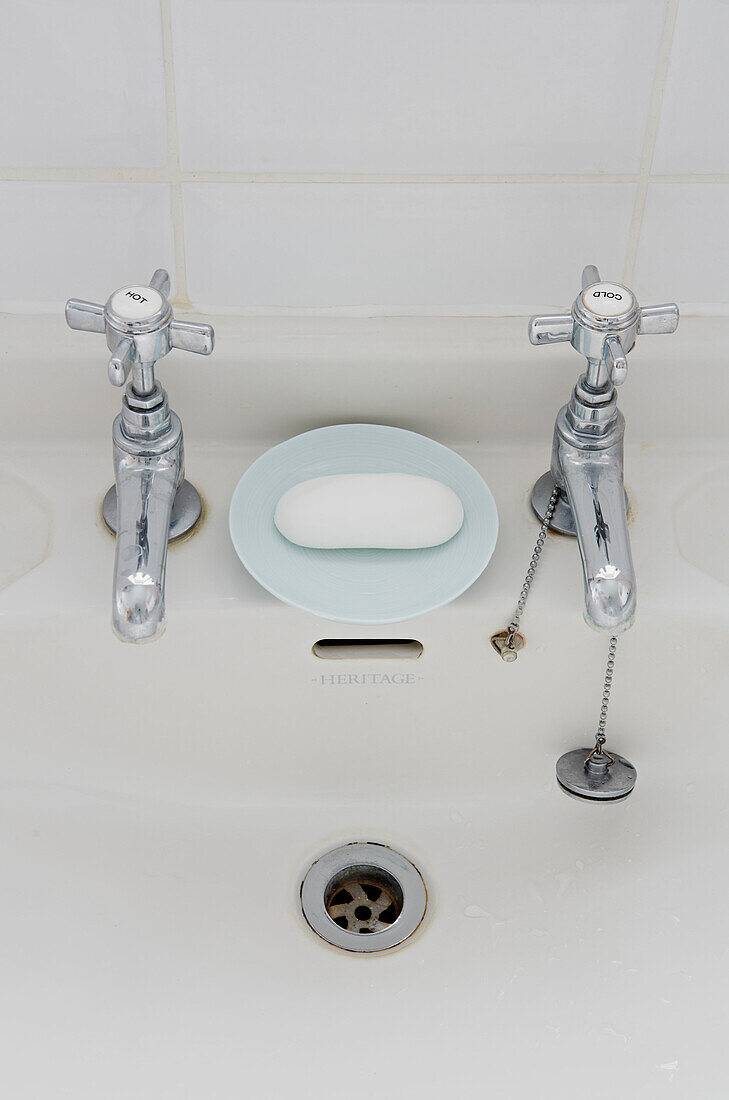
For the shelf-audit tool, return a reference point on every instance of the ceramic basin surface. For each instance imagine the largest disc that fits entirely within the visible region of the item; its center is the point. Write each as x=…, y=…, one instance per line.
x=161, y=804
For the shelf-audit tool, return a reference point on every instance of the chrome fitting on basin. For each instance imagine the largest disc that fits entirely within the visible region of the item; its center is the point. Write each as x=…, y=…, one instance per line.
x=587, y=451
x=150, y=502
x=363, y=897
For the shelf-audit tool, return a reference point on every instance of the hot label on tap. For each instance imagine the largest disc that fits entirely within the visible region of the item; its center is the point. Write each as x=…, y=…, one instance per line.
x=607, y=299
x=136, y=303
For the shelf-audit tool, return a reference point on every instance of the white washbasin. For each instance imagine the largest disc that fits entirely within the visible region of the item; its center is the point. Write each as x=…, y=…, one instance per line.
x=160, y=805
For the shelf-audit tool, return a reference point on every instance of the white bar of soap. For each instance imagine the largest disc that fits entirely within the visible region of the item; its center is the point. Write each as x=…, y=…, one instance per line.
x=389, y=511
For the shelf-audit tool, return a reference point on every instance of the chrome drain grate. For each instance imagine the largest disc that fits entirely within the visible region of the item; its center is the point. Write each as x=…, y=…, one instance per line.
x=363, y=897
x=364, y=900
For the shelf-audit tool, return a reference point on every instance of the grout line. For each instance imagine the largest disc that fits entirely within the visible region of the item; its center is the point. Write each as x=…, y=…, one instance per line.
x=85, y=175
x=403, y=177
x=181, y=297
x=176, y=175
x=173, y=173
x=689, y=177
x=649, y=141
x=366, y=316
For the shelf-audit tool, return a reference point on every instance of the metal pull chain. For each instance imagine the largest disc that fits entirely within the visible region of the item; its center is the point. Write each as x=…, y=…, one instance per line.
x=509, y=642
x=596, y=774
x=600, y=753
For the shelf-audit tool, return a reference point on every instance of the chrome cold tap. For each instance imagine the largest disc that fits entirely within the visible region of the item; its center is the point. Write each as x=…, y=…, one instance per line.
x=587, y=452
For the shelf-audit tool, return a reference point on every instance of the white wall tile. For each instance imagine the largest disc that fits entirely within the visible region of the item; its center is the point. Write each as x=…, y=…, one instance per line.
x=389, y=247
x=692, y=133
x=82, y=240
x=82, y=84
x=560, y=86
x=682, y=253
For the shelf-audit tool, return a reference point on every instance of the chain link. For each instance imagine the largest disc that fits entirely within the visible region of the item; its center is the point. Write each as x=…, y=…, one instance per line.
x=600, y=738
x=514, y=624
x=507, y=640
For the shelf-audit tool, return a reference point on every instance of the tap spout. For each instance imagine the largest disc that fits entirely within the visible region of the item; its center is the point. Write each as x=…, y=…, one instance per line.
x=590, y=471
x=147, y=479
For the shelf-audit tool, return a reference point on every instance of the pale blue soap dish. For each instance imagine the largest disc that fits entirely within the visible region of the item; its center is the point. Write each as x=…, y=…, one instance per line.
x=355, y=585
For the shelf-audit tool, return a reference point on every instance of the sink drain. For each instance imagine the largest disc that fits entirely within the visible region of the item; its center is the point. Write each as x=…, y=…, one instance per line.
x=363, y=897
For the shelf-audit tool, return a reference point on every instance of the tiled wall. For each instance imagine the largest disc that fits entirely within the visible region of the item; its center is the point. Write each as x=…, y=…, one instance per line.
x=358, y=156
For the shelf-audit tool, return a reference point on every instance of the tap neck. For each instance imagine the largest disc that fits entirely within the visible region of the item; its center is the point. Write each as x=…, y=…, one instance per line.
x=146, y=419
x=596, y=378
x=592, y=414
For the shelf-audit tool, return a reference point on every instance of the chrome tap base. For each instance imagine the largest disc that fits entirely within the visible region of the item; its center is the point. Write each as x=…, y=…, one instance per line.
x=563, y=522
x=562, y=519
x=186, y=511
x=579, y=774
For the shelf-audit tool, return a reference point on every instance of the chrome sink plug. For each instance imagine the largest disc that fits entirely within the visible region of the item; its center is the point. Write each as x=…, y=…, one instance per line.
x=587, y=452
x=150, y=502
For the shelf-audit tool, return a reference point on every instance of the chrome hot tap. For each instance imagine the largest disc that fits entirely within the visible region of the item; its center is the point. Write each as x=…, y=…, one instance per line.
x=587, y=453
x=151, y=502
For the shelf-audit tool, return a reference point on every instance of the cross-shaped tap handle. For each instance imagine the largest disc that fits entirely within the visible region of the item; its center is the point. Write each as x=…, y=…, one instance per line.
x=603, y=324
x=139, y=329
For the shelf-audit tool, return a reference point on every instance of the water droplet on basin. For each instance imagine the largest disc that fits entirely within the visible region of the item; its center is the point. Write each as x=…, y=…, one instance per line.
x=474, y=911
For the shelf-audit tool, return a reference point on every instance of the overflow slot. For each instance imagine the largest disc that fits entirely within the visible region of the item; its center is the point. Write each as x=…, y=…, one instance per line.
x=339, y=649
